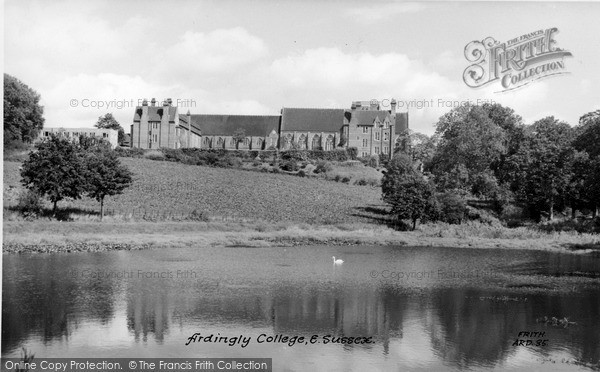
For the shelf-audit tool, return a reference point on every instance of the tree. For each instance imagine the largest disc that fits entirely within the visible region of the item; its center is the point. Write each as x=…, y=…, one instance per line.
x=406, y=190
x=23, y=118
x=542, y=167
x=469, y=137
x=420, y=147
x=108, y=121
x=55, y=169
x=106, y=176
x=588, y=134
x=239, y=136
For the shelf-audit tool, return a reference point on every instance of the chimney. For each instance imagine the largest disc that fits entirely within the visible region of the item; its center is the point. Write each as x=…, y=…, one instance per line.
x=153, y=102
x=374, y=105
x=358, y=105
x=144, y=109
x=170, y=101
x=393, y=104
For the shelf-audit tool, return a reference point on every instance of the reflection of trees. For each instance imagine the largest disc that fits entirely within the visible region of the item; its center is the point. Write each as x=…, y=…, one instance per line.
x=148, y=312
x=467, y=331
x=348, y=312
x=40, y=296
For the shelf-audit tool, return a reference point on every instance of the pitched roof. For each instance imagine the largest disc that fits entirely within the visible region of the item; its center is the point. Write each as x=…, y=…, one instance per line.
x=312, y=120
x=155, y=113
x=367, y=117
x=226, y=125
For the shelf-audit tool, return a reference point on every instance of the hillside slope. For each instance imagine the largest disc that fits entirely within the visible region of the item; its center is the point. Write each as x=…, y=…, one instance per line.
x=176, y=188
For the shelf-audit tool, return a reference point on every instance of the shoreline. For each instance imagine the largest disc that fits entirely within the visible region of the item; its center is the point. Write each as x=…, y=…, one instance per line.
x=70, y=237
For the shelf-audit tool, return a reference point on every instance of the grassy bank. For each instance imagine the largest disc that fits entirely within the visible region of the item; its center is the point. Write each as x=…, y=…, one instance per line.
x=178, y=205
x=173, y=190
x=54, y=236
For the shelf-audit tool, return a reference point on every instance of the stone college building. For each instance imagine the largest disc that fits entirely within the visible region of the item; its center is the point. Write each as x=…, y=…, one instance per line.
x=365, y=125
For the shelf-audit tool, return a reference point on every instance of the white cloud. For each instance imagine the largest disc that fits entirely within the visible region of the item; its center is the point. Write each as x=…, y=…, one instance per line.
x=375, y=12
x=218, y=51
x=78, y=101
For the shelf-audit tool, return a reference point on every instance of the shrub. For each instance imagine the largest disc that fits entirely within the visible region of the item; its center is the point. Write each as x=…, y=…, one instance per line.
x=295, y=155
x=30, y=203
x=352, y=153
x=197, y=215
x=346, y=179
x=453, y=207
x=373, y=161
x=301, y=173
x=129, y=152
x=228, y=162
x=174, y=155
x=323, y=166
x=154, y=155
x=289, y=165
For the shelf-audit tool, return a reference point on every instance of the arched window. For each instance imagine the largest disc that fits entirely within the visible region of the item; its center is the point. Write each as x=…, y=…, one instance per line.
x=259, y=144
x=316, y=142
x=287, y=142
x=329, y=143
x=302, y=142
x=220, y=142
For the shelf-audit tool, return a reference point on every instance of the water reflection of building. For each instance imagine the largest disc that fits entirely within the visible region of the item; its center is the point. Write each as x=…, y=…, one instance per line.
x=148, y=313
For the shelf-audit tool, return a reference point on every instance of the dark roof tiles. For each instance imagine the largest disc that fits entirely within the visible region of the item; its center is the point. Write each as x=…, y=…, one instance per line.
x=227, y=125
x=312, y=120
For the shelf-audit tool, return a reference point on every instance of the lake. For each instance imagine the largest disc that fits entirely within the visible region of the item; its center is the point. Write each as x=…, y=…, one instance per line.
x=419, y=308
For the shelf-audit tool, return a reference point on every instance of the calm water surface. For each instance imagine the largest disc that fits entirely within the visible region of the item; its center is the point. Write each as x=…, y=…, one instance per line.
x=424, y=308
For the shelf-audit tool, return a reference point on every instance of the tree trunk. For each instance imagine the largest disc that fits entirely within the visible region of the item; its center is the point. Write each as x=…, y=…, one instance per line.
x=101, y=208
x=414, y=224
x=551, y=216
x=54, y=208
x=573, y=213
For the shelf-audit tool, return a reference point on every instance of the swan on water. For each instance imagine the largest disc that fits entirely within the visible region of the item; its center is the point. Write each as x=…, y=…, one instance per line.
x=338, y=261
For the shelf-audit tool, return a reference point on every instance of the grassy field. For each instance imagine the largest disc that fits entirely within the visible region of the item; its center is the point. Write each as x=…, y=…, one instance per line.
x=169, y=190
x=247, y=208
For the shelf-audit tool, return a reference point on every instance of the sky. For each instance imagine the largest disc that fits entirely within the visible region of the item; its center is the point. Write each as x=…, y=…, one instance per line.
x=88, y=58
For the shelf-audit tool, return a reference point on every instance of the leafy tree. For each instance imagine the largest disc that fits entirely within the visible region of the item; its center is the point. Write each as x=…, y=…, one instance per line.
x=541, y=168
x=239, y=136
x=93, y=143
x=23, y=118
x=410, y=195
x=421, y=147
x=55, y=169
x=588, y=134
x=453, y=207
x=469, y=137
x=106, y=176
x=592, y=185
x=108, y=121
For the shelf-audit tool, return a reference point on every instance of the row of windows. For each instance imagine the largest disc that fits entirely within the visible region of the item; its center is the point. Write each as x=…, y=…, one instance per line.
x=378, y=137
x=385, y=151
x=365, y=128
